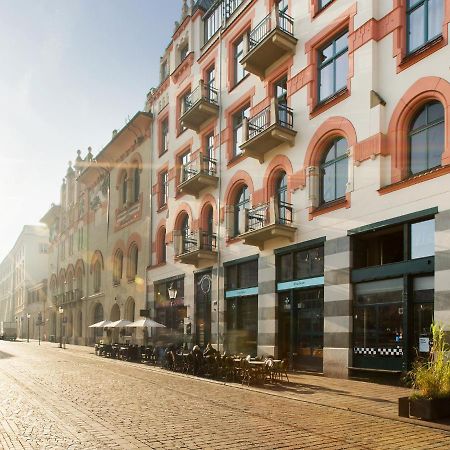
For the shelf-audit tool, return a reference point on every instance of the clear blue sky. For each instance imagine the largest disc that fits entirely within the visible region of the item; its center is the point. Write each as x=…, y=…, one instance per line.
x=71, y=71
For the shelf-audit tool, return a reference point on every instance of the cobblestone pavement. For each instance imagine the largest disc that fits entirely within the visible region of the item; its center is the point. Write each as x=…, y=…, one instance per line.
x=71, y=399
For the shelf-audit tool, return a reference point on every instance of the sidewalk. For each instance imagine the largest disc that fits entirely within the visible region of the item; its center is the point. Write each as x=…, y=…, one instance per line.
x=361, y=397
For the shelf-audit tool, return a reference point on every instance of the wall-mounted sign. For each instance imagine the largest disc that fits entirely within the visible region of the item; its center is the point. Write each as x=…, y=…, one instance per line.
x=424, y=344
x=241, y=292
x=297, y=284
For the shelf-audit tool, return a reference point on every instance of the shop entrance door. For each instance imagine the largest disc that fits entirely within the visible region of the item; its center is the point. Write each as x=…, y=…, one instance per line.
x=421, y=317
x=203, y=308
x=308, y=329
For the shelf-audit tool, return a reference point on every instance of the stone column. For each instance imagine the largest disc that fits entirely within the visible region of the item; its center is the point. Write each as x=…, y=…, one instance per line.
x=338, y=317
x=267, y=305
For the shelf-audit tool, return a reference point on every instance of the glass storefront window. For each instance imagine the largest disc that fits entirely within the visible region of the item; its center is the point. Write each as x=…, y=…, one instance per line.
x=378, y=324
x=422, y=239
x=242, y=325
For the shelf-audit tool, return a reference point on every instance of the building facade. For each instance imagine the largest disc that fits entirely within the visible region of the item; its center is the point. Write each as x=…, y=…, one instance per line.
x=292, y=197
x=300, y=157
x=24, y=266
x=99, y=232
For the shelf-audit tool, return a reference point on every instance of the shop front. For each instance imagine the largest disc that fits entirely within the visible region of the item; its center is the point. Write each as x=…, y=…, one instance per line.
x=393, y=286
x=300, y=281
x=241, y=300
x=170, y=310
x=202, y=282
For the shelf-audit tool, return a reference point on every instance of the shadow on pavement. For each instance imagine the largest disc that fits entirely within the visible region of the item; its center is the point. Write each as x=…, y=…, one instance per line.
x=4, y=355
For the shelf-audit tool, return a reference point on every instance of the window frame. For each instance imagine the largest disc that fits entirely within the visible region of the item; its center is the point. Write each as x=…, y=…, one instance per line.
x=427, y=38
x=241, y=112
x=163, y=187
x=334, y=161
x=425, y=128
x=331, y=60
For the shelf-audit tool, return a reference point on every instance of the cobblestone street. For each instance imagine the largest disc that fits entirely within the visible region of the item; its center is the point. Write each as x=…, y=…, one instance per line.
x=72, y=399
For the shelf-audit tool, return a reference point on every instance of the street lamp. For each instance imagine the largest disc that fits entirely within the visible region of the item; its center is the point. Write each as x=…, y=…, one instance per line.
x=61, y=312
x=28, y=327
x=172, y=296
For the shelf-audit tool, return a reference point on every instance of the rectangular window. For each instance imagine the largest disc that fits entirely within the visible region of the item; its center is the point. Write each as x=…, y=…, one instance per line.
x=164, y=136
x=163, y=188
x=241, y=276
x=211, y=85
x=424, y=22
x=237, y=129
x=379, y=248
x=333, y=67
x=186, y=170
x=184, y=51
x=422, y=239
x=239, y=71
x=323, y=3
x=184, y=106
x=213, y=22
x=164, y=70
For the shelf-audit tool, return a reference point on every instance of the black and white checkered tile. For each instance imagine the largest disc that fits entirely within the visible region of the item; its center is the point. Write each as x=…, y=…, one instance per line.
x=371, y=351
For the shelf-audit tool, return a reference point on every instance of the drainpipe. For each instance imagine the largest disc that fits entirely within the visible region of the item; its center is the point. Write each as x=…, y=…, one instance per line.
x=219, y=164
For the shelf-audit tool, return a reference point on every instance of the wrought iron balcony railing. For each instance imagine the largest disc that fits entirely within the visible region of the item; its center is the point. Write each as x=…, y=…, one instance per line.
x=272, y=21
x=202, y=164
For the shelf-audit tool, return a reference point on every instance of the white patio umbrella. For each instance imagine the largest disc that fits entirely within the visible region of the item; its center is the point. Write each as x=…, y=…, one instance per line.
x=118, y=324
x=101, y=324
x=145, y=323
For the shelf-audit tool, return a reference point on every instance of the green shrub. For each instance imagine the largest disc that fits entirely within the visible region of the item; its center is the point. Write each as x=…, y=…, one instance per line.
x=431, y=379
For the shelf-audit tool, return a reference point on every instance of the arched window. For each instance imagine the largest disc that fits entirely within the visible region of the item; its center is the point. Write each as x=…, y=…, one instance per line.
x=281, y=204
x=118, y=266
x=130, y=310
x=124, y=189
x=426, y=138
x=161, y=245
x=242, y=202
x=136, y=184
x=97, y=274
x=334, y=171
x=132, y=262
x=185, y=232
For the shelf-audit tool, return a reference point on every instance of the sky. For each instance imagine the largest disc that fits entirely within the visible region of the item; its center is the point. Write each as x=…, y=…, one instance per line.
x=71, y=71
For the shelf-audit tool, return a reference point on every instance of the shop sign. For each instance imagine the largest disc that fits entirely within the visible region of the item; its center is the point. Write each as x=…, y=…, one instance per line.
x=297, y=284
x=242, y=292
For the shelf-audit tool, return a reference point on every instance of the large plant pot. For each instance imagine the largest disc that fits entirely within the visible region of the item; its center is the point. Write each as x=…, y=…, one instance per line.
x=429, y=409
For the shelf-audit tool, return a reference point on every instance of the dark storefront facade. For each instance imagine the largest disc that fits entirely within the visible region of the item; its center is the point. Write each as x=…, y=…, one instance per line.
x=170, y=312
x=241, y=300
x=300, y=281
x=393, y=290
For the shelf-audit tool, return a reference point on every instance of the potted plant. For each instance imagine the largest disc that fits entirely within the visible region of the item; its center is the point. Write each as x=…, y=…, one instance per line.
x=431, y=381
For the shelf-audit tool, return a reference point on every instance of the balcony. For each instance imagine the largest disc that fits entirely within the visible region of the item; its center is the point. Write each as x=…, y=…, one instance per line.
x=198, y=174
x=268, y=221
x=200, y=107
x=199, y=246
x=268, y=129
x=269, y=43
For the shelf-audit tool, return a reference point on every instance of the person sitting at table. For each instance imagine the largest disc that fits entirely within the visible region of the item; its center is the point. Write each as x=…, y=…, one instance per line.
x=209, y=350
x=197, y=359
